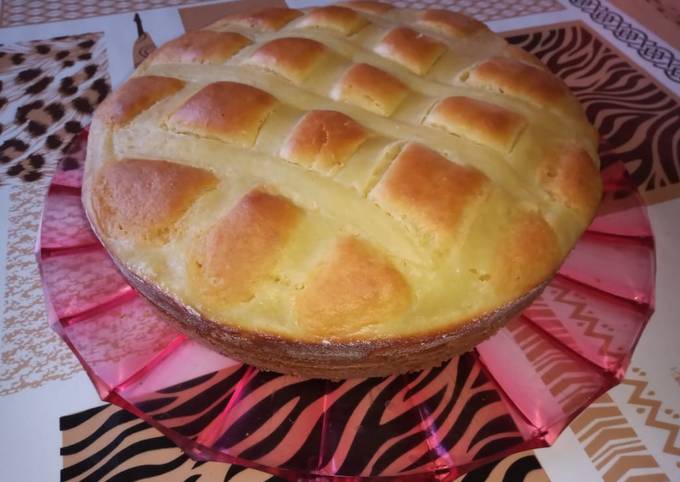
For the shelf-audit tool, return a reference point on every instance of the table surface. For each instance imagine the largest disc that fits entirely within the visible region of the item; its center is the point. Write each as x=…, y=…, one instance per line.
x=59, y=59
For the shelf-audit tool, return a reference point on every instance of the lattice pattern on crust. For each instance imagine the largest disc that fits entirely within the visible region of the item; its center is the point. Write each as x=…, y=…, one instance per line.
x=393, y=130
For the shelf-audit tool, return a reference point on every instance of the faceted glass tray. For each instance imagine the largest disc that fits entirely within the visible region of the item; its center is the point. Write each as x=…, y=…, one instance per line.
x=518, y=390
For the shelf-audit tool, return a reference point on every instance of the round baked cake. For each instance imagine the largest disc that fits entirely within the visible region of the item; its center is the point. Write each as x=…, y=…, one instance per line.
x=341, y=191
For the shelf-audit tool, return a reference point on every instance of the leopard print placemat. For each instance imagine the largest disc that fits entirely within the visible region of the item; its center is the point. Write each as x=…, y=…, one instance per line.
x=48, y=90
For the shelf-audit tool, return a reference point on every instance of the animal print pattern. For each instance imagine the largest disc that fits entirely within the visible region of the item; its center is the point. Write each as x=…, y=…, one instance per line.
x=648, y=50
x=108, y=443
x=48, y=91
x=418, y=423
x=638, y=120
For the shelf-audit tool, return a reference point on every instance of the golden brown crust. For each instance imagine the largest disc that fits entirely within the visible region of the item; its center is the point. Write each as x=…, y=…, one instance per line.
x=569, y=173
x=240, y=250
x=267, y=20
x=323, y=140
x=528, y=256
x=428, y=191
x=291, y=57
x=521, y=80
x=403, y=241
x=370, y=88
x=340, y=19
x=199, y=47
x=448, y=23
x=228, y=111
x=141, y=199
x=414, y=50
x=135, y=96
x=479, y=121
x=368, y=7
x=353, y=288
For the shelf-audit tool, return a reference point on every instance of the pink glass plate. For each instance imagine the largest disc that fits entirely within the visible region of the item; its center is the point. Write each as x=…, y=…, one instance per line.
x=516, y=391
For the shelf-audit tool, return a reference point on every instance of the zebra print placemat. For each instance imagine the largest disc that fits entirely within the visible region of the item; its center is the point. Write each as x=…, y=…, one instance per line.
x=637, y=118
x=108, y=443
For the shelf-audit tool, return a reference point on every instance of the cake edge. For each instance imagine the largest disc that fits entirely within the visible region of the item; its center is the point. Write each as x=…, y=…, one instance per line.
x=334, y=360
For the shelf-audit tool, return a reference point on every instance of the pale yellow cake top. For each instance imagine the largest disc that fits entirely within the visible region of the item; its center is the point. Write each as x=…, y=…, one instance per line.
x=341, y=173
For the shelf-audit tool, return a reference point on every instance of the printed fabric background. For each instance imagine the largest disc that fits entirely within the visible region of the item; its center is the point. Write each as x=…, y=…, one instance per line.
x=49, y=89
x=611, y=54
x=660, y=16
x=648, y=49
x=108, y=443
x=612, y=442
x=20, y=12
x=639, y=123
x=638, y=120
